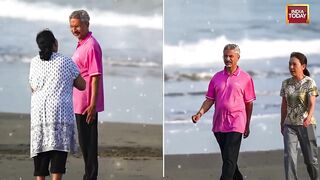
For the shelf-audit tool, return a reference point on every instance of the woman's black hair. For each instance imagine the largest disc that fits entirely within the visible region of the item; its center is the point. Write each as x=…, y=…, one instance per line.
x=45, y=40
x=303, y=60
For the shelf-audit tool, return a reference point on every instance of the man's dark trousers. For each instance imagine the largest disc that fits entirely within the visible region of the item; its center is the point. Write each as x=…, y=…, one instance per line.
x=229, y=145
x=88, y=141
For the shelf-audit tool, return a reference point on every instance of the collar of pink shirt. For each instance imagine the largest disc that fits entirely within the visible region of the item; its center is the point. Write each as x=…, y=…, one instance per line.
x=235, y=73
x=85, y=39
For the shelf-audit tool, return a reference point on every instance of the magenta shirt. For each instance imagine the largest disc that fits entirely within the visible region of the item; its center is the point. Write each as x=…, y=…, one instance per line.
x=230, y=93
x=88, y=57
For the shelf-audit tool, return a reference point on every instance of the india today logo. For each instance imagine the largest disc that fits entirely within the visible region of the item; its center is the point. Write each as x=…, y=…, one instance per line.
x=297, y=13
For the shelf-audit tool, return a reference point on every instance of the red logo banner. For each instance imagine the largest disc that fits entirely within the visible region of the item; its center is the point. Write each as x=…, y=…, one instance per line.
x=297, y=13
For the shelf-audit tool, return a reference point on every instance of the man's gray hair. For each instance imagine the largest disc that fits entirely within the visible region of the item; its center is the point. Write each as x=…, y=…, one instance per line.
x=80, y=14
x=232, y=47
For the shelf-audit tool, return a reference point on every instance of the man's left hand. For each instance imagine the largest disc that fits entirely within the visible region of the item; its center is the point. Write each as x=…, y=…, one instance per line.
x=91, y=114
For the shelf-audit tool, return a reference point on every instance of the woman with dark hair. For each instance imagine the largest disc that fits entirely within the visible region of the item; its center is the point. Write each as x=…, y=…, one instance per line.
x=297, y=121
x=52, y=78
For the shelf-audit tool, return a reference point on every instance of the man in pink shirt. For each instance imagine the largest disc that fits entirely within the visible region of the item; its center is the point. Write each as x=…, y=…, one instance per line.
x=87, y=103
x=232, y=92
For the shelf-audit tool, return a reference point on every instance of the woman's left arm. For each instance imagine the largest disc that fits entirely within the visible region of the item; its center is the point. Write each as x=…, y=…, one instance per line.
x=311, y=107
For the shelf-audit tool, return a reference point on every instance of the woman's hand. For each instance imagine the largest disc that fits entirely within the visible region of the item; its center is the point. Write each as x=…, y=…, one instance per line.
x=282, y=128
x=307, y=121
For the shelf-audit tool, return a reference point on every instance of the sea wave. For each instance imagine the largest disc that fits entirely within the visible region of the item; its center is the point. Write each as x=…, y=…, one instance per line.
x=255, y=117
x=46, y=11
x=195, y=76
x=126, y=63
x=205, y=76
x=314, y=69
x=186, y=121
x=203, y=93
x=209, y=51
x=12, y=58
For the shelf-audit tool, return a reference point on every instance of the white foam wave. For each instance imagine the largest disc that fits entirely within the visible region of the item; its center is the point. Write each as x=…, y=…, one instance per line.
x=185, y=121
x=51, y=12
x=265, y=116
x=134, y=64
x=188, y=121
x=207, y=52
x=8, y=58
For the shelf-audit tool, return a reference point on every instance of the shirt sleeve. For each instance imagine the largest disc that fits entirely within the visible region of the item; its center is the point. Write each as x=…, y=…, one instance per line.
x=312, y=89
x=282, y=92
x=211, y=93
x=249, y=93
x=95, y=61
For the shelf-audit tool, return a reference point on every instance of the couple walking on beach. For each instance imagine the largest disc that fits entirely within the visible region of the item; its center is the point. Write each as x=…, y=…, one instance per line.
x=55, y=104
x=232, y=92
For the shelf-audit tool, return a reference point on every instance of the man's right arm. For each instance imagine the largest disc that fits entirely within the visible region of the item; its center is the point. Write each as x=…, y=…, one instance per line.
x=206, y=105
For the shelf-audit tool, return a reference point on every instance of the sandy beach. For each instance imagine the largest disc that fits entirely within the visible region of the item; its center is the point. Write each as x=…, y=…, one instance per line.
x=264, y=165
x=133, y=152
x=126, y=151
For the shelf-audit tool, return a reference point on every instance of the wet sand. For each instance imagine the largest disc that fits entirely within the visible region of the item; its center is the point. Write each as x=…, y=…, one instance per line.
x=264, y=165
x=126, y=151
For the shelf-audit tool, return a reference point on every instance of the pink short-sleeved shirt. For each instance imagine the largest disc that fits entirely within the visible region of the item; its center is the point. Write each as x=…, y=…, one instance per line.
x=88, y=57
x=230, y=93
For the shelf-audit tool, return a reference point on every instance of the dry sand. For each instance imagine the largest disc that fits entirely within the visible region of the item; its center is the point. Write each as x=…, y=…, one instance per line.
x=126, y=151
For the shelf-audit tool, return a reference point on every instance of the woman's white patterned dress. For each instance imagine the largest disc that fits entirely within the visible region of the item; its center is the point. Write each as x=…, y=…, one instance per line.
x=52, y=116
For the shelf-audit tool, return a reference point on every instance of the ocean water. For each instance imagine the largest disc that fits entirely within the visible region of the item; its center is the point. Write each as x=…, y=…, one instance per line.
x=194, y=37
x=130, y=34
